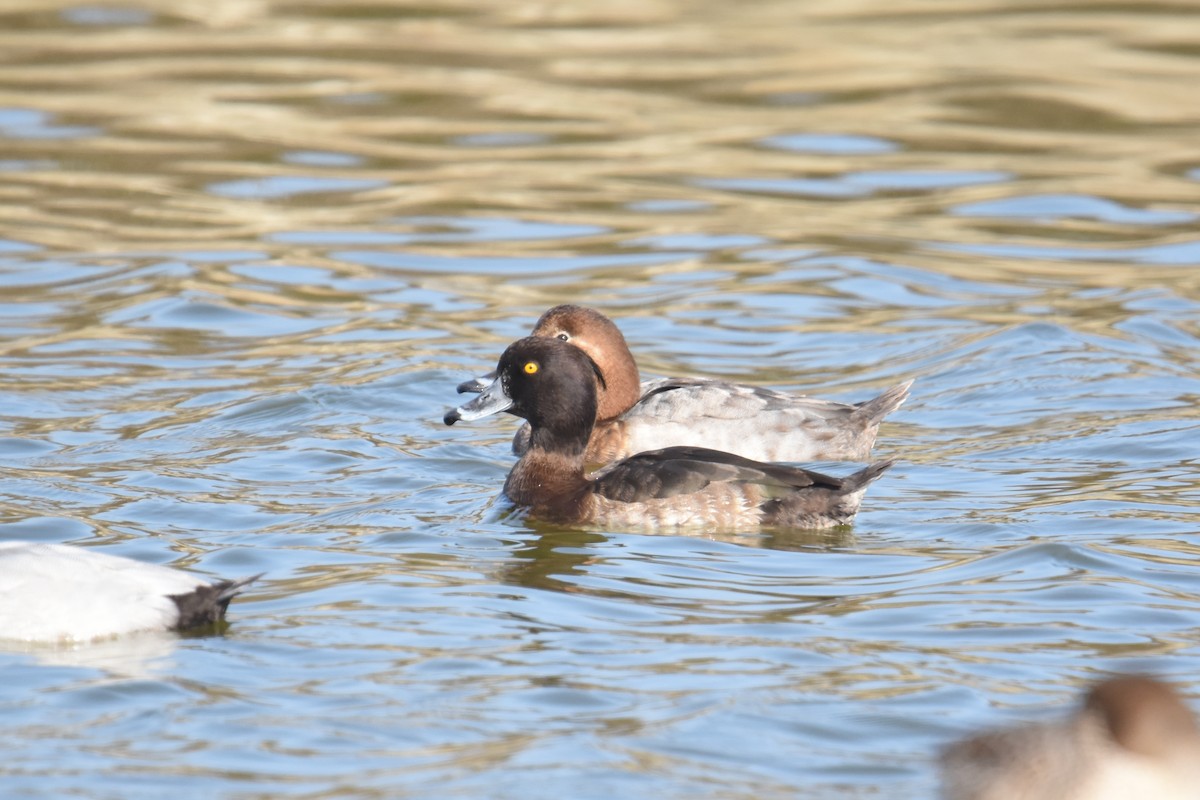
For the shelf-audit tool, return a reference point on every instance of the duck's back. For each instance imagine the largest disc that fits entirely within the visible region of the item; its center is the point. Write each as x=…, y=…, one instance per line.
x=53, y=593
x=750, y=421
x=1035, y=762
x=1071, y=760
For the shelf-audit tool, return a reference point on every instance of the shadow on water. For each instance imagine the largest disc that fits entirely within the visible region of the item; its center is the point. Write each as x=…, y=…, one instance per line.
x=553, y=555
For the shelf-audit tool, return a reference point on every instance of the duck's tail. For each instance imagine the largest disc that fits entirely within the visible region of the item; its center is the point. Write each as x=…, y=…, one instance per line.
x=872, y=412
x=227, y=590
x=207, y=603
x=858, y=481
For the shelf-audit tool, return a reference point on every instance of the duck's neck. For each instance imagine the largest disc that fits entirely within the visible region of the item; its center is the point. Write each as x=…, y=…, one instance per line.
x=550, y=483
x=568, y=440
x=621, y=390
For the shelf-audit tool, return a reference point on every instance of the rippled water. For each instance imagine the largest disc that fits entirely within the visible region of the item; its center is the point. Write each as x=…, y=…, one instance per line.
x=247, y=250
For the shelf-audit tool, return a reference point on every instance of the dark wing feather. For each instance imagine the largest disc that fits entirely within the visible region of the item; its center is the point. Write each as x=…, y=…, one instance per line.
x=676, y=471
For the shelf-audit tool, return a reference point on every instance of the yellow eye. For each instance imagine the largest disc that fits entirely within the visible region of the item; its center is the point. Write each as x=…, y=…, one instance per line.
x=531, y=367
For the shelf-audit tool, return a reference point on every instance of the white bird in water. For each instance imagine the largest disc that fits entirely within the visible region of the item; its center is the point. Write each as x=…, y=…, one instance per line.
x=56, y=593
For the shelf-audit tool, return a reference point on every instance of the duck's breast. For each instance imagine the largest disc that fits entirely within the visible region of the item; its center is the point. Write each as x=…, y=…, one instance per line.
x=1124, y=775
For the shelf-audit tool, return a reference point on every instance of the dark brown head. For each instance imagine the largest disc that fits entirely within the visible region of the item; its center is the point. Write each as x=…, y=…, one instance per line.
x=596, y=335
x=1144, y=715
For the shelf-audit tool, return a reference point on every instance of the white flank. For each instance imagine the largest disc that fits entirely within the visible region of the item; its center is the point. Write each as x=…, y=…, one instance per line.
x=57, y=593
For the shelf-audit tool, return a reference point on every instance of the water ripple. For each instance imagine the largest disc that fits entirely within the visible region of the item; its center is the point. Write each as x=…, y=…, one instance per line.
x=249, y=249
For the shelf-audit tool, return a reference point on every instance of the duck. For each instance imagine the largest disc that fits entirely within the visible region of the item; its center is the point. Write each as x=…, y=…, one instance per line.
x=746, y=420
x=552, y=385
x=63, y=594
x=1132, y=737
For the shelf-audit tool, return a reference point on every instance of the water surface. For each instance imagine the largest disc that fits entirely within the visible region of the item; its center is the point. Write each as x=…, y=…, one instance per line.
x=247, y=250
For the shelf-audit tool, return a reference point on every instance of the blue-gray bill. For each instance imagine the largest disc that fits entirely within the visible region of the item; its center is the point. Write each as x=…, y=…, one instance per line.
x=491, y=400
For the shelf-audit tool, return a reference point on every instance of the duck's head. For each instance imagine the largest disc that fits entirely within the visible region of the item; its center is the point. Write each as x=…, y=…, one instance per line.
x=548, y=382
x=597, y=335
x=1145, y=716
x=619, y=387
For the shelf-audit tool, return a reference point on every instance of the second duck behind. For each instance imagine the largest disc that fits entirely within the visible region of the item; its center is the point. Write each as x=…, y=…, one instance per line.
x=751, y=421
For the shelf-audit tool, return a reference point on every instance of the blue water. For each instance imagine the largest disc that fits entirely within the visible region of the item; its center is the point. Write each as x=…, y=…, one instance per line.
x=234, y=314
